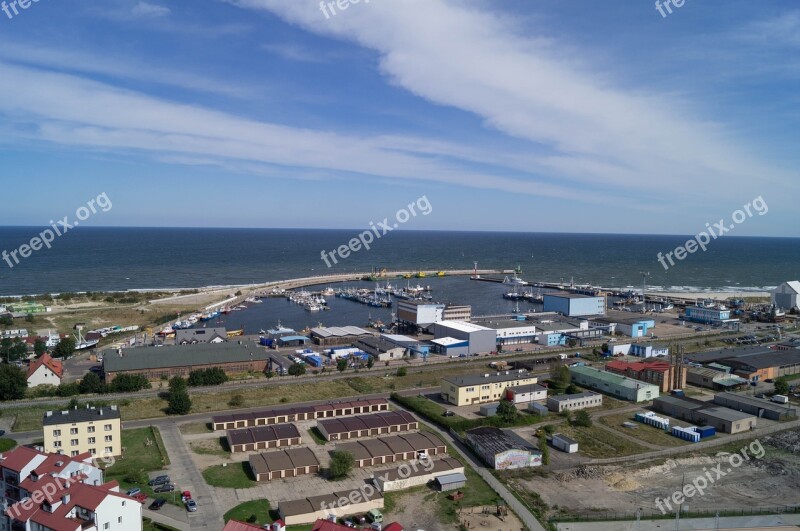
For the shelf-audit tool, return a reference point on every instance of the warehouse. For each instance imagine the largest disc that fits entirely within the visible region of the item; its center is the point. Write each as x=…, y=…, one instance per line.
x=480, y=389
x=233, y=357
x=704, y=414
x=450, y=347
x=393, y=448
x=615, y=385
x=366, y=425
x=193, y=336
x=574, y=304
x=283, y=464
x=450, y=482
x=759, y=407
x=415, y=473
x=380, y=348
x=629, y=326
x=787, y=295
x=564, y=443
x=338, y=504
x=574, y=402
x=765, y=366
x=523, y=394
x=263, y=437
x=292, y=414
x=713, y=379
x=337, y=335
x=480, y=339
x=511, y=331
x=503, y=449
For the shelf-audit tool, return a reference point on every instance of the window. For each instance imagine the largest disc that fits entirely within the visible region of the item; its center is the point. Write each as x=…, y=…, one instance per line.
x=73, y=442
x=109, y=438
x=90, y=429
x=106, y=525
x=91, y=440
x=107, y=427
x=92, y=451
x=119, y=518
x=73, y=431
x=56, y=433
x=57, y=444
x=73, y=453
x=109, y=450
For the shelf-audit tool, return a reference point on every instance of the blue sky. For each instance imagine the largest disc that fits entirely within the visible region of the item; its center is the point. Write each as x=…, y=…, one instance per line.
x=568, y=116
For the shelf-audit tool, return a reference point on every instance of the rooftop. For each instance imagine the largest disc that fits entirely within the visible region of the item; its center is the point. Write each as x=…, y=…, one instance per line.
x=773, y=358
x=444, y=464
x=182, y=355
x=463, y=326
x=576, y=396
x=570, y=296
x=726, y=353
x=339, y=331
x=70, y=416
x=752, y=401
x=494, y=377
x=725, y=414
x=495, y=440
x=610, y=377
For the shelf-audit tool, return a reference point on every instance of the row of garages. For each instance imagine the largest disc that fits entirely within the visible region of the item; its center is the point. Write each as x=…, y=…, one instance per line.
x=367, y=425
x=394, y=448
x=263, y=437
x=338, y=504
x=284, y=464
x=292, y=414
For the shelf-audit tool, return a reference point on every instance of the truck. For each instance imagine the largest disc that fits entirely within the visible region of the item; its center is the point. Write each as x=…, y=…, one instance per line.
x=781, y=399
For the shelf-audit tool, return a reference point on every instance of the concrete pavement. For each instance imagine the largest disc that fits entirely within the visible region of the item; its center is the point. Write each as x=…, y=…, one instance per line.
x=751, y=523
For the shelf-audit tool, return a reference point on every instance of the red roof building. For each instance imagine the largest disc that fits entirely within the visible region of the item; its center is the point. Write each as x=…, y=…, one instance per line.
x=657, y=372
x=234, y=525
x=45, y=370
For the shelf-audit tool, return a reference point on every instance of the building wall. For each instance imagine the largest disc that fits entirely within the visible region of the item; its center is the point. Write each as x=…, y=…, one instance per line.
x=644, y=393
x=43, y=376
x=336, y=509
x=761, y=412
x=229, y=368
x=481, y=393
x=574, y=404
x=59, y=438
x=120, y=514
x=457, y=313
x=705, y=315
x=522, y=397
x=512, y=459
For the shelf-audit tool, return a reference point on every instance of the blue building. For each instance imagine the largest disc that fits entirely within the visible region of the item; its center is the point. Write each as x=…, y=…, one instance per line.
x=552, y=339
x=574, y=304
x=707, y=315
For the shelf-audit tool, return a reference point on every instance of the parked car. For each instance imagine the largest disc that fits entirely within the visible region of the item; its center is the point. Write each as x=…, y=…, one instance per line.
x=191, y=506
x=2, y=432
x=158, y=480
x=157, y=504
x=141, y=497
x=169, y=487
x=134, y=491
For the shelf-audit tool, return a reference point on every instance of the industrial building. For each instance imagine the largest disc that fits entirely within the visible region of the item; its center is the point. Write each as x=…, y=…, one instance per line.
x=574, y=304
x=380, y=348
x=411, y=345
x=283, y=464
x=759, y=407
x=710, y=316
x=786, y=296
x=574, y=402
x=416, y=315
x=463, y=338
x=713, y=379
x=564, y=443
x=72, y=432
x=523, y=394
x=193, y=336
x=337, y=335
x=629, y=326
x=155, y=363
x=503, y=449
x=612, y=384
x=371, y=452
x=656, y=372
x=366, y=425
x=337, y=504
x=415, y=473
x=262, y=437
x=511, y=331
x=769, y=365
x=704, y=414
x=292, y=414
x=479, y=389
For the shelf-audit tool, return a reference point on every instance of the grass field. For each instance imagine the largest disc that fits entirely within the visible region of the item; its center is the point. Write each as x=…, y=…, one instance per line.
x=194, y=428
x=596, y=442
x=7, y=444
x=143, y=453
x=232, y=476
x=211, y=447
x=149, y=525
x=317, y=436
x=253, y=512
x=648, y=434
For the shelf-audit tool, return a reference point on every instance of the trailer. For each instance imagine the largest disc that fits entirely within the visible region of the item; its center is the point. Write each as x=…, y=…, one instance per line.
x=564, y=443
x=706, y=431
x=780, y=399
x=651, y=419
x=687, y=434
x=313, y=360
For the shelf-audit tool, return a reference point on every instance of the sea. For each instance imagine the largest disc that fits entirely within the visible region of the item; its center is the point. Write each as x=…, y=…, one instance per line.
x=119, y=259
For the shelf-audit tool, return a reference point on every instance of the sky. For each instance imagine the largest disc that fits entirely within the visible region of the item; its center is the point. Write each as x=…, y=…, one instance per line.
x=533, y=115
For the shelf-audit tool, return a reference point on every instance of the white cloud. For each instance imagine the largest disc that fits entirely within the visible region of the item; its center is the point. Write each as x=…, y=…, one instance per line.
x=144, y=9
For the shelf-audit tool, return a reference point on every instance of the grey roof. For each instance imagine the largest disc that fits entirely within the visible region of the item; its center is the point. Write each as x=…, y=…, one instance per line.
x=727, y=353
x=527, y=388
x=493, y=377
x=725, y=414
x=564, y=398
x=684, y=403
x=378, y=343
x=444, y=464
x=570, y=295
x=183, y=355
x=449, y=479
x=200, y=334
x=495, y=440
x=773, y=358
x=339, y=331
x=564, y=438
x=752, y=401
x=69, y=416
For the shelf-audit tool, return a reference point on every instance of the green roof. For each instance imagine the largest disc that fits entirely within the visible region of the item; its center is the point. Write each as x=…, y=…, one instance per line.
x=610, y=378
x=182, y=355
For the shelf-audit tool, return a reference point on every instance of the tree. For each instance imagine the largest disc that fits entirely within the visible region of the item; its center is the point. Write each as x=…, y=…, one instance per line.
x=402, y=372
x=179, y=403
x=6, y=320
x=341, y=464
x=65, y=347
x=177, y=384
x=297, y=370
x=604, y=347
x=370, y=362
x=12, y=350
x=129, y=383
x=544, y=448
x=270, y=374
x=571, y=389
x=582, y=418
x=572, y=342
x=507, y=411
x=13, y=382
x=561, y=377
x=91, y=383
x=236, y=401
x=39, y=347
x=781, y=385
x=341, y=364
x=212, y=376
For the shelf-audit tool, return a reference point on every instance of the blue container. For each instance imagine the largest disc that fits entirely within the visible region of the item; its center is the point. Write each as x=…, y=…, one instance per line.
x=706, y=431
x=266, y=341
x=314, y=361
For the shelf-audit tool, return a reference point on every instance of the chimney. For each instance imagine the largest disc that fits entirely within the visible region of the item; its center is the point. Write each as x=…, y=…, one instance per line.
x=49, y=413
x=65, y=498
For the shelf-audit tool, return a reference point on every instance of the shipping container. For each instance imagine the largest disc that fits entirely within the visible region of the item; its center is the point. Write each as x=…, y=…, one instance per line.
x=687, y=434
x=706, y=431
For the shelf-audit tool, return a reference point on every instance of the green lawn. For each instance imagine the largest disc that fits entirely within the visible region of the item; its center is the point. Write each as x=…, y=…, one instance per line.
x=217, y=446
x=149, y=525
x=192, y=428
x=643, y=432
x=7, y=444
x=232, y=476
x=142, y=453
x=596, y=442
x=317, y=436
x=246, y=511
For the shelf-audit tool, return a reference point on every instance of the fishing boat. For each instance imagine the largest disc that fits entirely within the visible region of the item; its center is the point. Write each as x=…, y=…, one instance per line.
x=235, y=333
x=281, y=330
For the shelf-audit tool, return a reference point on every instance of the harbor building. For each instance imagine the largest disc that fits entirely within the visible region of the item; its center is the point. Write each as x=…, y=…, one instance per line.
x=72, y=432
x=786, y=296
x=416, y=315
x=656, y=372
x=479, y=339
x=712, y=316
x=574, y=304
x=192, y=336
x=701, y=413
x=760, y=407
x=503, y=449
x=233, y=357
x=332, y=336
x=511, y=331
x=380, y=348
x=574, y=402
x=629, y=326
x=413, y=346
x=612, y=384
x=480, y=389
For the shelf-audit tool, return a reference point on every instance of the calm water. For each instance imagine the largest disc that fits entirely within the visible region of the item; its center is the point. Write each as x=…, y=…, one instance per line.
x=110, y=259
